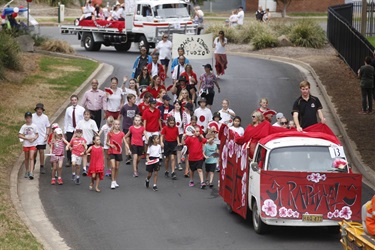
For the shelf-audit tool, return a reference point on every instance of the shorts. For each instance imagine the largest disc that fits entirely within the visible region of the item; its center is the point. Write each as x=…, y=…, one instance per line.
x=57, y=158
x=27, y=149
x=116, y=157
x=41, y=146
x=194, y=165
x=209, y=98
x=136, y=150
x=170, y=148
x=125, y=130
x=154, y=167
x=114, y=114
x=76, y=160
x=164, y=62
x=149, y=134
x=210, y=167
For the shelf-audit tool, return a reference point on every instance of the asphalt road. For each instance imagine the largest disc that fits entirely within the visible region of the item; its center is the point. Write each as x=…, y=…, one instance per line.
x=177, y=216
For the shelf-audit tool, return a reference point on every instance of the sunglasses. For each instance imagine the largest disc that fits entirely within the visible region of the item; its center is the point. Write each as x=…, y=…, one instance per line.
x=165, y=37
x=145, y=69
x=253, y=116
x=283, y=123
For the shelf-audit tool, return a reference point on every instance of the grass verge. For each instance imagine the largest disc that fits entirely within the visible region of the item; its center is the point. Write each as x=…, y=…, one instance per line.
x=51, y=82
x=371, y=39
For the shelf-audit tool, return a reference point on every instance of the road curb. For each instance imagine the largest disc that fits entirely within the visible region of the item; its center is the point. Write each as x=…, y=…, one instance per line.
x=26, y=199
x=350, y=146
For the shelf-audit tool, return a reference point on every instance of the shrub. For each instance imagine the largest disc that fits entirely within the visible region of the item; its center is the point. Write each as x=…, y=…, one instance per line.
x=229, y=32
x=57, y=46
x=264, y=39
x=9, y=52
x=39, y=40
x=307, y=33
x=281, y=28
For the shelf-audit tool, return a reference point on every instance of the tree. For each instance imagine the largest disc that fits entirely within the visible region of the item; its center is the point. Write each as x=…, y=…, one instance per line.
x=285, y=4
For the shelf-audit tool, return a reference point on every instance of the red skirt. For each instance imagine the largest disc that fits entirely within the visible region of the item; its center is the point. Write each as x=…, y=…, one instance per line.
x=96, y=162
x=221, y=63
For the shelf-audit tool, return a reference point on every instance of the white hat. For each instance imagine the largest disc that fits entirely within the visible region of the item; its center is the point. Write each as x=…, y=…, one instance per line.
x=279, y=115
x=58, y=131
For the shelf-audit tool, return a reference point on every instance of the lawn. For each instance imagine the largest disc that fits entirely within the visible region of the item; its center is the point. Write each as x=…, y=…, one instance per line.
x=371, y=39
x=51, y=82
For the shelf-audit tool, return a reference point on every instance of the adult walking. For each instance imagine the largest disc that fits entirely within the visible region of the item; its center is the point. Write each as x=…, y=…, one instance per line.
x=115, y=100
x=192, y=81
x=164, y=47
x=206, y=86
x=179, y=68
x=306, y=108
x=220, y=54
x=42, y=123
x=95, y=100
x=141, y=62
x=155, y=68
x=366, y=74
x=155, y=86
x=144, y=78
x=73, y=115
x=180, y=52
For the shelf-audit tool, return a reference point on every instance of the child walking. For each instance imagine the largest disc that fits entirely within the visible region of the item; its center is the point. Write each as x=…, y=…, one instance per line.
x=57, y=149
x=153, y=152
x=210, y=161
x=195, y=147
x=136, y=132
x=115, y=140
x=105, y=130
x=169, y=141
x=236, y=127
x=29, y=133
x=78, y=147
x=96, y=169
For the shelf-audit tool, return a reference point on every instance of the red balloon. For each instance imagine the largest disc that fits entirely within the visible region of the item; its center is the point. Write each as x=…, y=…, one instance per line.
x=14, y=14
x=2, y=17
x=21, y=7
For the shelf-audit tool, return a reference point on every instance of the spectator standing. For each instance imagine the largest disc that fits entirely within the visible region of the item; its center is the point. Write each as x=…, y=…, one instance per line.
x=240, y=16
x=95, y=100
x=181, y=52
x=73, y=115
x=164, y=47
x=42, y=122
x=306, y=108
x=233, y=19
x=198, y=19
x=207, y=84
x=115, y=100
x=267, y=16
x=259, y=14
x=141, y=62
x=366, y=74
x=155, y=68
x=220, y=54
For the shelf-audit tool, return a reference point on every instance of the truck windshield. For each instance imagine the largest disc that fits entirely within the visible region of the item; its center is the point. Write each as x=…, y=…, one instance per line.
x=301, y=158
x=171, y=11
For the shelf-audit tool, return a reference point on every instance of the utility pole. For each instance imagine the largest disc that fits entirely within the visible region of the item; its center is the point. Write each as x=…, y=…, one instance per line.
x=364, y=17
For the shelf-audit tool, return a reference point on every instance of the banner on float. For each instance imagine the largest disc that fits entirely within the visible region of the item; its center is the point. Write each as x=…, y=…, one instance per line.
x=196, y=46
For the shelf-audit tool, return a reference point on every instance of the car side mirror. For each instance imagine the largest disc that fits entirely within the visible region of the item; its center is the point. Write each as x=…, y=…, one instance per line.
x=254, y=166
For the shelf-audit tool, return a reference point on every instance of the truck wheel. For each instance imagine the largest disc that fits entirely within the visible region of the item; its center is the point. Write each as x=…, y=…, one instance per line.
x=229, y=208
x=258, y=224
x=123, y=46
x=89, y=44
x=143, y=42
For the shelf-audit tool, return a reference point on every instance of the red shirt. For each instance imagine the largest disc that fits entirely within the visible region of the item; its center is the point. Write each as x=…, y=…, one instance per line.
x=170, y=133
x=195, y=148
x=155, y=92
x=137, y=134
x=77, y=145
x=188, y=77
x=152, y=120
x=142, y=107
x=113, y=139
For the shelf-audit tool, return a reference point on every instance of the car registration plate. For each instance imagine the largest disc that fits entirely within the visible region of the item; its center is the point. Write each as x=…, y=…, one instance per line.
x=312, y=217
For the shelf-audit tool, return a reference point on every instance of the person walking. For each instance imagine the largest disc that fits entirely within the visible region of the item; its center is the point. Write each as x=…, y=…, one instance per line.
x=78, y=146
x=164, y=47
x=141, y=62
x=180, y=52
x=73, y=115
x=156, y=69
x=114, y=100
x=203, y=114
x=220, y=54
x=153, y=153
x=95, y=100
x=57, y=149
x=366, y=74
x=169, y=141
x=42, y=122
x=207, y=82
x=96, y=170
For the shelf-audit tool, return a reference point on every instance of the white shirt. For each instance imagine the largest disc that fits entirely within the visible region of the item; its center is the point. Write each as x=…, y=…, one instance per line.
x=29, y=131
x=204, y=116
x=154, y=151
x=42, y=124
x=175, y=71
x=88, y=10
x=240, y=16
x=105, y=128
x=226, y=118
x=130, y=91
x=276, y=124
x=154, y=69
x=233, y=19
x=88, y=128
x=114, y=101
x=68, y=121
x=165, y=50
x=240, y=131
x=120, y=12
x=219, y=49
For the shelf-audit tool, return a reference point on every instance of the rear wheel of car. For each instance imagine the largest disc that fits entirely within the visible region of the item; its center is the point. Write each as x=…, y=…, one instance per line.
x=258, y=224
x=229, y=208
x=89, y=44
x=123, y=46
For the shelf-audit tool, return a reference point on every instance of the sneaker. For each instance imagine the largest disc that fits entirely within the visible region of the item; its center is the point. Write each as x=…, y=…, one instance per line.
x=108, y=173
x=42, y=170
x=26, y=175
x=135, y=174
x=203, y=185
x=116, y=185
x=179, y=167
x=147, y=183
x=217, y=169
x=166, y=174
x=84, y=173
x=78, y=181
x=53, y=181
x=59, y=181
x=31, y=176
x=73, y=177
x=207, y=182
x=143, y=156
x=211, y=185
x=155, y=188
x=128, y=159
x=113, y=185
x=191, y=184
x=186, y=175
x=173, y=175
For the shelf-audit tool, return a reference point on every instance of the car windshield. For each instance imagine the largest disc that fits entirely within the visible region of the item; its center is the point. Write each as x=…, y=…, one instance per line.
x=171, y=11
x=301, y=158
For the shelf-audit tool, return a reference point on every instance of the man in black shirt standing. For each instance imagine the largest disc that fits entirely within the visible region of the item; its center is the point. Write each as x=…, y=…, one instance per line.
x=306, y=108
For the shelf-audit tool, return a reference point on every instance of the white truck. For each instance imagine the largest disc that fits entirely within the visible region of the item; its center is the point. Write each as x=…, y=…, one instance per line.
x=145, y=23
